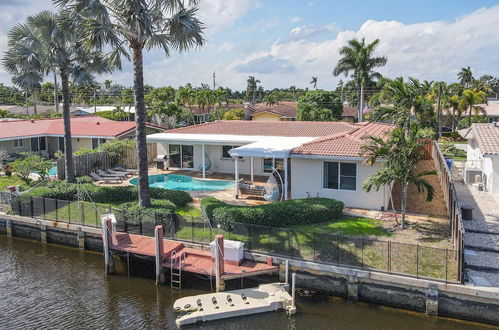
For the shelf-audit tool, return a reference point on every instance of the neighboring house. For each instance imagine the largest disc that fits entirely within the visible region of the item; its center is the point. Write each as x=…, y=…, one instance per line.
x=349, y=112
x=91, y=110
x=483, y=155
x=315, y=158
x=281, y=111
x=202, y=115
x=491, y=110
x=47, y=135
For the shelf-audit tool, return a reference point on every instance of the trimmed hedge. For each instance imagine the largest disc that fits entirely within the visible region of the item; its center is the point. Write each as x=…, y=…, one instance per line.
x=277, y=214
x=105, y=194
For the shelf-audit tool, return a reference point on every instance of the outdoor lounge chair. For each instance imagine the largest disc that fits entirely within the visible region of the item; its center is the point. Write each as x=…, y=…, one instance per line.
x=105, y=174
x=246, y=188
x=128, y=170
x=118, y=173
x=109, y=179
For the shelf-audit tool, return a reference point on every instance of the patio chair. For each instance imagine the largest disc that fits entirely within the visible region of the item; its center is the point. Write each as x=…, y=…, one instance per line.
x=246, y=188
x=105, y=174
x=128, y=170
x=118, y=173
x=106, y=179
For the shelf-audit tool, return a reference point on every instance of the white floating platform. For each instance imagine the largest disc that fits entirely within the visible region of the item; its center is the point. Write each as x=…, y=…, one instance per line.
x=264, y=298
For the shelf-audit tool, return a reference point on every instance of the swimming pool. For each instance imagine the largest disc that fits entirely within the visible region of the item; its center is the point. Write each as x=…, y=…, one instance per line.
x=184, y=182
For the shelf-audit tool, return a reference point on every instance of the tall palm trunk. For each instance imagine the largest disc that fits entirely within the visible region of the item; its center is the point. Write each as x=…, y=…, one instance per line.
x=403, y=206
x=361, y=110
x=33, y=97
x=140, y=116
x=56, y=93
x=469, y=115
x=68, y=147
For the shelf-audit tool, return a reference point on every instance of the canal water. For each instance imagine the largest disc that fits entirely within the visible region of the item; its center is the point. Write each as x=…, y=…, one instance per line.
x=53, y=287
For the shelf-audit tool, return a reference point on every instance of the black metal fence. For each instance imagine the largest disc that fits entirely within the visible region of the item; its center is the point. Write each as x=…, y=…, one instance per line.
x=89, y=214
x=346, y=251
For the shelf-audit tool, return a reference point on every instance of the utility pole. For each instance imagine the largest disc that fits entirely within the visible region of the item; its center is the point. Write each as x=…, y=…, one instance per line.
x=214, y=80
x=439, y=110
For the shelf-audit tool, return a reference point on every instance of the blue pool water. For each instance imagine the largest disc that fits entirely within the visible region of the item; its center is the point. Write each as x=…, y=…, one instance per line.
x=53, y=171
x=184, y=182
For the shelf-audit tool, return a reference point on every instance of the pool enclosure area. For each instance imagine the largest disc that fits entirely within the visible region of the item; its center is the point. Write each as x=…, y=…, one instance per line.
x=238, y=155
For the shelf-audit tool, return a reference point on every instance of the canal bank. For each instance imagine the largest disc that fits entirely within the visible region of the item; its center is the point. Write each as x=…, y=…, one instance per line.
x=419, y=295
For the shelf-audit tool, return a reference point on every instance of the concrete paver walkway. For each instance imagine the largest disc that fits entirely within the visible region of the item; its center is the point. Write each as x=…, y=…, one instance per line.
x=481, y=238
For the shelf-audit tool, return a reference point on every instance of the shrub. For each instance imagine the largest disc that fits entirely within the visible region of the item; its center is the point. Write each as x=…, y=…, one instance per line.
x=277, y=214
x=464, y=123
x=161, y=212
x=105, y=194
x=29, y=163
x=449, y=150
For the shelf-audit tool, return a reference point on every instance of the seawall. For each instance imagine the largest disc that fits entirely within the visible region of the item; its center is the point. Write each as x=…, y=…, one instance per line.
x=433, y=298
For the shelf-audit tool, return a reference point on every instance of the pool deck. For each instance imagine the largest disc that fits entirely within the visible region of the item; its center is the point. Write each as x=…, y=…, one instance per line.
x=227, y=195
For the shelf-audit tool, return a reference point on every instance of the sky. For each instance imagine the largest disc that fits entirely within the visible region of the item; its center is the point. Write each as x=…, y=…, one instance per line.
x=286, y=42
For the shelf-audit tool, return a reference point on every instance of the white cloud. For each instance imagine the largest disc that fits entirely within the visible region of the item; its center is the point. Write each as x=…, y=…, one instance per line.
x=433, y=50
x=226, y=46
x=218, y=15
x=296, y=19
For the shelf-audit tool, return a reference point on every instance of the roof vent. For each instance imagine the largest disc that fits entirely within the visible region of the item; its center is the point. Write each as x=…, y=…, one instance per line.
x=98, y=123
x=32, y=120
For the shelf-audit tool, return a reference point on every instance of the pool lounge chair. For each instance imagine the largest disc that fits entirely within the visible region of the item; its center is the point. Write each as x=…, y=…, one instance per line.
x=105, y=174
x=118, y=173
x=106, y=179
x=128, y=170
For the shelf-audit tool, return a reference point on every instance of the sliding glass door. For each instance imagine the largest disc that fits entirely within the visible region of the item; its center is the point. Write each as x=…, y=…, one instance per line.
x=174, y=154
x=181, y=156
x=187, y=156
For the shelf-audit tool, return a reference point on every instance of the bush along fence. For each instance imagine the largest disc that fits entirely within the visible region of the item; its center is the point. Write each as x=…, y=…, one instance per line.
x=345, y=251
x=87, y=163
x=453, y=208
x=133, y=221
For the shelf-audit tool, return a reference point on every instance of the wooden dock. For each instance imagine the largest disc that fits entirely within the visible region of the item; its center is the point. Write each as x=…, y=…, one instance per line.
x=175, y=255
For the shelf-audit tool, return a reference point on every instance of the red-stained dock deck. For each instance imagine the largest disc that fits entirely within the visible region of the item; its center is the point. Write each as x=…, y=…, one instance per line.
x=193, y=260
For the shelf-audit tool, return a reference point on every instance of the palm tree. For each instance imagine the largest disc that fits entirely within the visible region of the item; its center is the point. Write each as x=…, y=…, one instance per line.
x=357, y=57
x=465, y=76
x=470, y=99
x=165, y=24
x=314, y=82
x=251, y=88
x=400, y=154
x=44, y=39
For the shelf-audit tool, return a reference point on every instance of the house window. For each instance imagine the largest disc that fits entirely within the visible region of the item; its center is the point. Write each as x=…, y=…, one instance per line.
x=342, y=176
x=181, y=156
x=101, y=141
x=270, y=163
x=61, y=144
x=95, y=143
x=18, y=143
x=225, y=151
x=42, y=143
x=34, y=144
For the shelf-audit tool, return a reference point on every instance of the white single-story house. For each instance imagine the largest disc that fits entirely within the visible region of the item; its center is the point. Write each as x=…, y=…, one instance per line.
x=46, y=136
x=316, y=159
x=483, y=155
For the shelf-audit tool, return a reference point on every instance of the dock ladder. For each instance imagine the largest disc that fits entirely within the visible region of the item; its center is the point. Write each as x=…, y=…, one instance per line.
x=176, y=274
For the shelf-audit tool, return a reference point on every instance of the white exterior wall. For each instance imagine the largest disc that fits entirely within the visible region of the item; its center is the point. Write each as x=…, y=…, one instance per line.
x=491, y=171
x=306, y=180
x=219, y=164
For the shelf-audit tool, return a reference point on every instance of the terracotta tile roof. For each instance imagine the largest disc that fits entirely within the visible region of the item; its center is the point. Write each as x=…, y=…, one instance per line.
x=80, y=126
x=346, y=144
x=267, y=128
x=487, y=137
x=284, y=108
x=349, y=111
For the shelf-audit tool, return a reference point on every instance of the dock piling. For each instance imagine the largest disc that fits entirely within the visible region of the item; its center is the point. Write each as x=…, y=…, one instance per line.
x=106, y=229
x=158, y=239
x=292, y=309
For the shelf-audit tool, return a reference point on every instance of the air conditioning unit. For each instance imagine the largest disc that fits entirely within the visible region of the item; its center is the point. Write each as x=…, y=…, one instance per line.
x=472, y=175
